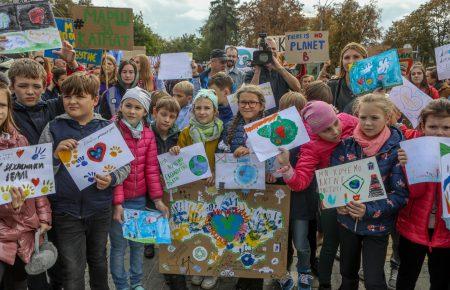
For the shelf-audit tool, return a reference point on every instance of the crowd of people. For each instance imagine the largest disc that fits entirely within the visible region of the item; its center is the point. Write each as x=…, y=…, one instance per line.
x=61, y=101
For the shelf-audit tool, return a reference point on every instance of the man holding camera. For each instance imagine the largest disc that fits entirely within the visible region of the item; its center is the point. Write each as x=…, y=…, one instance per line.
x=269, y=69
x=236, y=74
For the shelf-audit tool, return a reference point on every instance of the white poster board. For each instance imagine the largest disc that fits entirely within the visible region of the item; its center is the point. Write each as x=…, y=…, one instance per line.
x=268, y=96
x=30, y=168
x=307, y=47
x=240, y=173
x=354, y=181
x=175, y=66
x=443, y=61
x=445, y=179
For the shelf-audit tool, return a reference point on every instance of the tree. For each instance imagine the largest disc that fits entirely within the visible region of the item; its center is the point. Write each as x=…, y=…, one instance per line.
x=144, y=36
x=184, y=43
x=425, y=28
x=275, y=17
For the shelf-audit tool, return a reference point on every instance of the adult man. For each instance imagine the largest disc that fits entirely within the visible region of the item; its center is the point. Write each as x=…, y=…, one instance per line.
x=218, y=60
x=236, y=74
x=280, y=79
x=305, y=81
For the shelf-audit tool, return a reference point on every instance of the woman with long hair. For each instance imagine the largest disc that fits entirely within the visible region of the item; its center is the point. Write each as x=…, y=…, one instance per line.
x=417, y=76
x=108, y=73
x=146, y=80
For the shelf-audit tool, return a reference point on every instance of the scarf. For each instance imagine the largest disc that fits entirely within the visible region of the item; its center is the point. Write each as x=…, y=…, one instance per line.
x=205, y=132
x=136, y=132
x=371, y=147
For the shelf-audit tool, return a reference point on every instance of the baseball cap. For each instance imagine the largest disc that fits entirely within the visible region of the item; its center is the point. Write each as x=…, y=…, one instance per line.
x=218, y=53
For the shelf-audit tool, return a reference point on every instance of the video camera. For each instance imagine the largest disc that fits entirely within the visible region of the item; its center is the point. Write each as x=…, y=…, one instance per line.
x=262, y=56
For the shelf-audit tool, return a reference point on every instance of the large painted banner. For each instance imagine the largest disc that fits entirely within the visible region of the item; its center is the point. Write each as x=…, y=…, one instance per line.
x=227, y=233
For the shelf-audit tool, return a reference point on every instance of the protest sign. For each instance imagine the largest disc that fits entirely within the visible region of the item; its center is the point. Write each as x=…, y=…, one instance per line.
x=137, y=50
x=188, y=166
x=103, y=27
x=228, y=233
x=245, y=55
x=283, y=129
x=445, y=179
x=427, y=167
x=29, y=168
x=266, y=88
x=174, y=66
x=149, y=227
x=410, y=100
x=280, y=41
x=379, y=71
x=405, y=56
x=240, y=173
x=307, y=47
x=354, y=181
x=443, y=61
x=99, y=153
x=28, y=27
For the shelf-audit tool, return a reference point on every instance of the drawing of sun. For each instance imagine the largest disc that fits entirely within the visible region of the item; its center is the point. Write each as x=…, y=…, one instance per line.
x=280, y=132
x=5, y=192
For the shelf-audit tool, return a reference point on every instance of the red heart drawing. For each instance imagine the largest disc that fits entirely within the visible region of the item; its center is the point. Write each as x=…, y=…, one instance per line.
x=97, y=152
x=19, y=153
x=360, y=81
x=35, y=181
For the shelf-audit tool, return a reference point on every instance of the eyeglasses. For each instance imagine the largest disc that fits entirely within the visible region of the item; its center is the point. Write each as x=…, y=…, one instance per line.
x=250, y=104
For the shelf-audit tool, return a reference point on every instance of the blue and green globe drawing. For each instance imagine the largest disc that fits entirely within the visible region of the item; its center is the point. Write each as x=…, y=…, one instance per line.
x=246, y=174
x=198, y=165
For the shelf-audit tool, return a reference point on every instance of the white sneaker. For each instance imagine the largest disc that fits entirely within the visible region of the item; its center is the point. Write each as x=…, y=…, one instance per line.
x=197, y=280
x=209, y=282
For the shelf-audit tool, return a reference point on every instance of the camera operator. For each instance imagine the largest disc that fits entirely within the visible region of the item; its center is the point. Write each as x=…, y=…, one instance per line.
x=280, y=79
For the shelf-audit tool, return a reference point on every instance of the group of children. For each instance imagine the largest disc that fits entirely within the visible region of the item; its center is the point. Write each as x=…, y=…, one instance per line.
x=80, y=221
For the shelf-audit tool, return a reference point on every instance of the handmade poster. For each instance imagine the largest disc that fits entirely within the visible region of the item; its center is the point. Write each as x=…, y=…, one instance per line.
x=443, y=61
x=307, y=47
x=103, y=27
x=99, y=153
x=245, y=55
x=268, y=96
x=378, y=71
x=30, y=168
x=227, y=233
x=445, y=179
x=410, y=100
x=283, y=129
x=240, y=173
x=149, y=227
x=405, y=56
x=66, y=32
x=358, y=181
x=188, y=166
x=280, y=40
x=28, y=27
x=137, y=50
x=175, y=66
x=427, y=167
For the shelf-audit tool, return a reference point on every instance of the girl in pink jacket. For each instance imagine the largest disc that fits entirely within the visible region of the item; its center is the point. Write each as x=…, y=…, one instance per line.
x=19, y=219
x=142, y=181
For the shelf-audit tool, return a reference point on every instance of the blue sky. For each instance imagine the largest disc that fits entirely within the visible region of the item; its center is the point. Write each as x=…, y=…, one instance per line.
x=172, y=18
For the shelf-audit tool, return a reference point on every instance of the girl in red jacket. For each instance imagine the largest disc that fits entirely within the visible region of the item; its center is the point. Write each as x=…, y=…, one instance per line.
x=417, y=77
x=420, y=225
x=19, y=219
x=143, y=180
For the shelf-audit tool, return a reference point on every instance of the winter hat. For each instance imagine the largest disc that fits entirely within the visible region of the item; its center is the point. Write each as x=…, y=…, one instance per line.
x=140, y=95
x=318, y=115
x=208, y=94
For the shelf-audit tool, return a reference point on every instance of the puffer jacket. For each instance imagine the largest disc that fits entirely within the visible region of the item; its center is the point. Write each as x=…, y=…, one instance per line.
x=144, y=174
x=380, y=214
x=17, y=228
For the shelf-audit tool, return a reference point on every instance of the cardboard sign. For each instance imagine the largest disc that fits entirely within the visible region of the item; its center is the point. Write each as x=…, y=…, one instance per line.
x=227, y=233
x=280, y=40
x=137, y=50
x=175, y=66
x=379, y=71
x=405, y=56
x=103, y=27
x=30, y=168
x=266, y=88
x=188, y=166
x=445, y=178
x=283, y=129
x=240, y=173
x=307, y=47
x=443, y=61
x=358, y=181
x=28, y=27
x=102, y=153
x=149, y=227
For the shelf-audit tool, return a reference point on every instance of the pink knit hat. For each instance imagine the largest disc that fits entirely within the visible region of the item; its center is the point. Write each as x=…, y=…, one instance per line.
x=318, y=116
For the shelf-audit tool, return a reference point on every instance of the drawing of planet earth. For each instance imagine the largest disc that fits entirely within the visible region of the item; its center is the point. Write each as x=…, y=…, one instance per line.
x=198, y=165
x=245, y=174
x=280, y=132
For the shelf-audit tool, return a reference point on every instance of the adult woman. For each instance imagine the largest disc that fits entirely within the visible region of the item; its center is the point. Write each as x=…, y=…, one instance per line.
x=108, y=73
x=146, y=80
x=343, y=96
x=417, y=77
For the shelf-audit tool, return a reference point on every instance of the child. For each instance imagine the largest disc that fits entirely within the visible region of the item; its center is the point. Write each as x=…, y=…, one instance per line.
x=53, y=91
x=424, y=232
x=364, y=227
x=326, y=132
x=146, y=80
x=182, y=92
x=206, y=128
x=319, y=91
x=21, y=218
x=155, y=96
x=81, y=218
x=222, y=84
x=143, y=179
